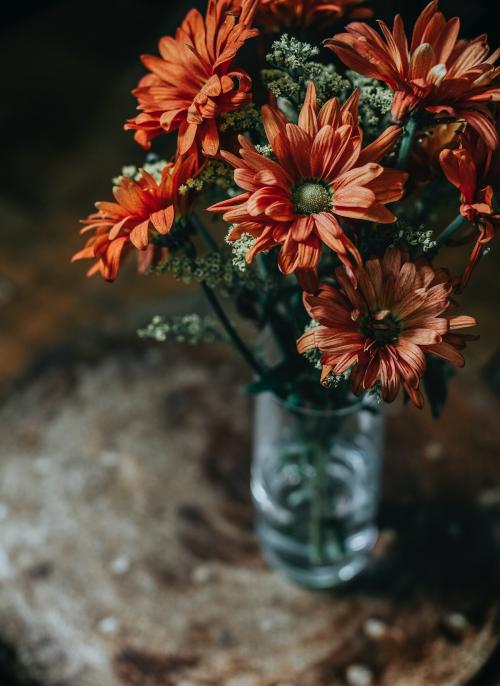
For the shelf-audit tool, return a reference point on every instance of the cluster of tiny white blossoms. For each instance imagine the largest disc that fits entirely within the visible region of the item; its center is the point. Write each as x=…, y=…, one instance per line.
x=314, y=357
x=239, y=249
x=190, y=328
x=215, y=174
x=375, y=101
x=214, y=269
x=414, y=236
x=265, y=150
x=293, y=67
x=241, y=121
x=154, y=167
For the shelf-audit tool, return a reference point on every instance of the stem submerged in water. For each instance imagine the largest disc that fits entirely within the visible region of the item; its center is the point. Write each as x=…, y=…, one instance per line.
x=319, y=459
x=324, y=531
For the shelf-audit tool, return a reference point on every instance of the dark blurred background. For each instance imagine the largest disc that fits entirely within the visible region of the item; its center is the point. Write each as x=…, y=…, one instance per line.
x=68, y=69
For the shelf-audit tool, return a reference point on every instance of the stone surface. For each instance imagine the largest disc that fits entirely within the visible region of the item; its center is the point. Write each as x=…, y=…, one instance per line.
x=127, y=556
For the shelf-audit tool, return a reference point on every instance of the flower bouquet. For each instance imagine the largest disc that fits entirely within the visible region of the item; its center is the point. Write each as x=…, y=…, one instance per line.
x=340, y=171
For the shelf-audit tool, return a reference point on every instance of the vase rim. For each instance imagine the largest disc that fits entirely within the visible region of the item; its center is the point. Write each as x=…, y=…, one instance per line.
x=352, y=408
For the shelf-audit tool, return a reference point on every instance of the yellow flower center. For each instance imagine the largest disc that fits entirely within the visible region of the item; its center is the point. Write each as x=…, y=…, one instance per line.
x=312, y=196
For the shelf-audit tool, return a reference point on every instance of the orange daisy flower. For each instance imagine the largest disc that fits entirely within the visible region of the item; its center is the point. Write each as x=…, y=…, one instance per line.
x=192, y=82
x=320, y=174
x=143, y=209
x=439, y=73
x=383, y=327
x=475, y=170
x=274, y=15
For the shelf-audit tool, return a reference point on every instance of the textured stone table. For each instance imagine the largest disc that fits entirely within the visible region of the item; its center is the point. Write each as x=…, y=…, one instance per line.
x=127, y=556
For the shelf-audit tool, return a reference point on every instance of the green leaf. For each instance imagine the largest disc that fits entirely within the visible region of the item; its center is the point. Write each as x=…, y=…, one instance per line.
x=278, y=378
x=436, y=378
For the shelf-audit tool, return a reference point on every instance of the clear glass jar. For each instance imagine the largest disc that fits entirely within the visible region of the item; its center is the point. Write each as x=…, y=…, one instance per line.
x=315, y=487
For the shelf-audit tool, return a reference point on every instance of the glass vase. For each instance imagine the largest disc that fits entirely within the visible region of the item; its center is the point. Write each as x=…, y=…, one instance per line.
x=315, y=487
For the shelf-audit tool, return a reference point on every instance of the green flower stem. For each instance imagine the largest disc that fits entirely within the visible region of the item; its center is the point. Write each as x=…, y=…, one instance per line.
x=450, y=231
x=275, y=320
x=407, y=143
x=201, y=229
x=233, y=335
x=231, y=332
x=319, y=459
